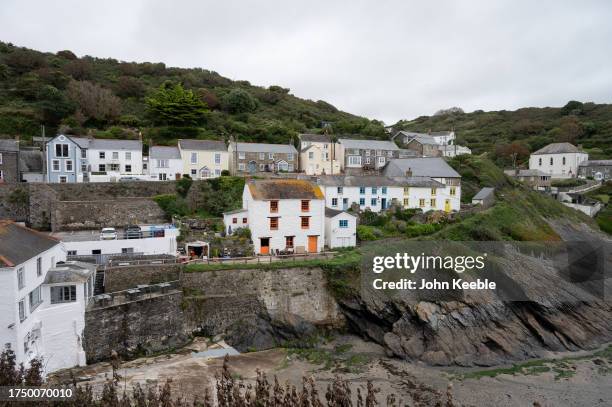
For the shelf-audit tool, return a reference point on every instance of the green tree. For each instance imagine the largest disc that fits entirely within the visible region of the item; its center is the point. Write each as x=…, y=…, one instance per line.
x=239, y=101
x=54, y=105
x=174, y=105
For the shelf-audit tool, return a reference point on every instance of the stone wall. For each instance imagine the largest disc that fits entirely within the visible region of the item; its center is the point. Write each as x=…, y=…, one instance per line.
x=212, y=315
x=134, y=328
x=122, y=278
x=118, y=212
x=297, y=291
x=14, y=202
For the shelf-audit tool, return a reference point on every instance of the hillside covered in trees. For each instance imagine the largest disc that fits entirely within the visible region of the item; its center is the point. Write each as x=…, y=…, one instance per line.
x=516, y=133
x=110, y=98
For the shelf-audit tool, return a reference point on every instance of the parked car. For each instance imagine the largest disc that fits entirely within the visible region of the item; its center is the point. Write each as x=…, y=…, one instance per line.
x=108, y=234
x=133, y=232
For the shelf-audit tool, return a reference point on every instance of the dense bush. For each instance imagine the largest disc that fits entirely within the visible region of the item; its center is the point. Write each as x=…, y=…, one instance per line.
x=172, y=205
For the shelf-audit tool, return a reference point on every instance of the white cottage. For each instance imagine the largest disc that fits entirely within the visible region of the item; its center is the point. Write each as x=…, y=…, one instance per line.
x=42, y=308
x=165, y=163
x=283, y=215
x=559, y=160
x=340, y=229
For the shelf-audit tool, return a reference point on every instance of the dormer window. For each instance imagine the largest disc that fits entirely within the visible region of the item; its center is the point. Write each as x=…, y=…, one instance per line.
x=61, y=150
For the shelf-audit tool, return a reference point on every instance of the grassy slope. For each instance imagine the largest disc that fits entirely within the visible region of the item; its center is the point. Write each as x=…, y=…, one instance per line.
x=278, y=118
x=535, y=127
x=604, y=217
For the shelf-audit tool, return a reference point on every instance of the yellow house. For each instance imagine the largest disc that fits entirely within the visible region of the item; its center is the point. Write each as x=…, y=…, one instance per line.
x=203, y=158
x=319, y=155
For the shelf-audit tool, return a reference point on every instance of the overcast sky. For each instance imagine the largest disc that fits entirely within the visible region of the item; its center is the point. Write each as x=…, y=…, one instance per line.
x=387, y=60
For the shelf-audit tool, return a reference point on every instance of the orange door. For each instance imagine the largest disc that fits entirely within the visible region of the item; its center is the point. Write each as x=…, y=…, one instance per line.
x=265, y=245
x=312, y=244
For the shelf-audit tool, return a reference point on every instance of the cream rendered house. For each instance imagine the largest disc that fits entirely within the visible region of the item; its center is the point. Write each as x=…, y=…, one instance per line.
x=203, y=159
x=319, y=155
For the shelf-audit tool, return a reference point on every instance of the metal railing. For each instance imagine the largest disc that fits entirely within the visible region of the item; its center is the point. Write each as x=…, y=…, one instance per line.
x=264, y=259
x=138, y=293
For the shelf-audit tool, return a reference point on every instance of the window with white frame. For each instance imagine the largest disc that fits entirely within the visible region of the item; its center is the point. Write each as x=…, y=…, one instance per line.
x=55, y=165
x=115, y=155
x=83, y=167
x=241, y=166
x=63, y=179
x=310, y=155
x=194, y=158
x=194, y=172
x=367, y=153
x=390, y=153
x=62, y=150
x=35, y=298
x=217, y=158
x=290, y=157
x=163, y=163
x=71, y=253
x=162, y=176
x=128, y=168
x=0, y=158
x=39, y=266
x=128, y=155
x=354, y=160
x=22, y=310
x=381, y=160
x=290, y=167
x=271, y=156
x=68, y=164
x=113, y=167
x=20, y=278
x=101, y=167
x=241, y=155
x=343, y=223
x=262, y=156
x=63, y=293
x=334, y=202
x=217, y=172
x=83, y=153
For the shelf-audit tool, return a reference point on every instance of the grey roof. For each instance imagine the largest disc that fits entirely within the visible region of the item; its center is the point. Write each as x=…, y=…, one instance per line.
x=434, y=167
x=107, y=144
x=70, y=272
x=164, y=153
x=376, y=181
x=368, y=144
x=9, y=145
x=423, y=139
x=235, y=211
x=595, y=163
x=558, y=148
x=206, y=145
x=526, y=173
x=30, y=161
x=320, y=138
x=265, y=148
x=330, y=213
x=18, y=243
x=484, y=193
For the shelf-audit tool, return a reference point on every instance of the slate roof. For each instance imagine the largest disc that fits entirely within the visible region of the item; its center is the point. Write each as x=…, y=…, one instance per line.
x=424, y=139
x=484, y=193
x=30, y=161
x=284, y=189
x=558, y=148
x=317, y=138
x=107, y=144
x=330, y=213
x=164, y=153
x=19, y=244
x=70, y=272
x=377, y=181
x=9, y=145
x=265, y=148
x=434, y=167
x=368, y=144
x=595, y=163
x=205, y=145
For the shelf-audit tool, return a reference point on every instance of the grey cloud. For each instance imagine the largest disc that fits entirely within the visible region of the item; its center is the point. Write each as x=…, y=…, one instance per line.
x=386, y=60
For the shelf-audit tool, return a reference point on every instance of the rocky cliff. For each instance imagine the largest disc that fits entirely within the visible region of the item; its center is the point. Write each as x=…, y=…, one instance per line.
x=543, y=313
